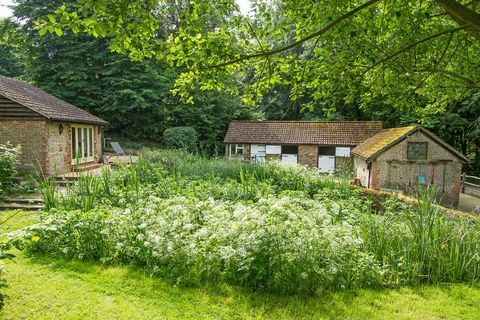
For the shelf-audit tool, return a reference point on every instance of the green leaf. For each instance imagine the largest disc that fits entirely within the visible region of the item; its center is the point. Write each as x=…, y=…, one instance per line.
x=51, y=17
x=58, y=31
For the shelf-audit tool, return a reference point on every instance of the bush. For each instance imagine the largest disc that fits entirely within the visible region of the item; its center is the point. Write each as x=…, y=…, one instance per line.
x=8, y=169
x=183, y=138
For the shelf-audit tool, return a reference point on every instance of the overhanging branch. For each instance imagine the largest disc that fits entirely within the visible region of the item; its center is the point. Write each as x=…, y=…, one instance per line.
x=411, y=45
x=299, y=42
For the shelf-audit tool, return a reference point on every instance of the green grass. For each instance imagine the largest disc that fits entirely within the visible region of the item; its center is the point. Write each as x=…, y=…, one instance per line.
x=43, y=287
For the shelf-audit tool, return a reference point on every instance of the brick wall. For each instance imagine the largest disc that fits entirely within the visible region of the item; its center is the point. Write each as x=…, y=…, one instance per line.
x=308, y=155
x=44, y=148
x=58, y=151
x=441, y=169
x=31, y=136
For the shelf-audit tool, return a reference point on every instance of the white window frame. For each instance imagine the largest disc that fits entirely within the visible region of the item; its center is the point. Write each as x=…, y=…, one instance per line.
x=236, y=147
x=89, y=143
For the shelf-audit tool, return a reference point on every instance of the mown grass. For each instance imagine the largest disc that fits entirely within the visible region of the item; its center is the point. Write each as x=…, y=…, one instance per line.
x=44, y=287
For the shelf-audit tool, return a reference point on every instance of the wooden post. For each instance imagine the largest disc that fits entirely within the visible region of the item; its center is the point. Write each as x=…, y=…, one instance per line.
x=463, y=182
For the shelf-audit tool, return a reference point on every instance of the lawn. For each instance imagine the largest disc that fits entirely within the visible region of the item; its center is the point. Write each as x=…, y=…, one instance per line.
x=45, y=287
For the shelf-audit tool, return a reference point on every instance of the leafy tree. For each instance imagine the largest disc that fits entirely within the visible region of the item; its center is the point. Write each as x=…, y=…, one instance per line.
x=11, y=62
x=184, y=138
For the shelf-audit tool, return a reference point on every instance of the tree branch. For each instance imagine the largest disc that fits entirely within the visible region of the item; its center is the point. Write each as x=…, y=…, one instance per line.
x=469, y=82
x=463, y=15
x=299, y=42
x=411, y=45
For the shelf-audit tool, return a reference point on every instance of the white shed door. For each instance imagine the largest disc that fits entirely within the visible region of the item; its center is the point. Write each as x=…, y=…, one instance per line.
x=289, y=158
x=258, y=152
x=326, y=163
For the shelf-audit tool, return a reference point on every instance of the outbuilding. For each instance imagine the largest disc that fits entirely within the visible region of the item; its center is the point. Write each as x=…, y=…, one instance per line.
x=55, y=136
x=408, y=158
x=325, y=145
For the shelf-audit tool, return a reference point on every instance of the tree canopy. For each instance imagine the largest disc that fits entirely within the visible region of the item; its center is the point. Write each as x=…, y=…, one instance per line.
x=420, y=55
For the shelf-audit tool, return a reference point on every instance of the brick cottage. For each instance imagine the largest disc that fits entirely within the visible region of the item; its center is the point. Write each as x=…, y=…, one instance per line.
x=55, y=136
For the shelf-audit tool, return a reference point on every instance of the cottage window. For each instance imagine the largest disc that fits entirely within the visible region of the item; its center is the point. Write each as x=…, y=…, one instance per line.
x=82, y=144
x=417, y=151
x=236, y=149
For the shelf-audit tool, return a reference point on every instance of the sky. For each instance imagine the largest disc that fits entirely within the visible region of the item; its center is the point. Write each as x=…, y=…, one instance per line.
x=6, y=12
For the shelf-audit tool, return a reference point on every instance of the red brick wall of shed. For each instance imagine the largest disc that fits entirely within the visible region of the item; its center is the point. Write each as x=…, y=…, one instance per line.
x=31, y=135
x=308, y=155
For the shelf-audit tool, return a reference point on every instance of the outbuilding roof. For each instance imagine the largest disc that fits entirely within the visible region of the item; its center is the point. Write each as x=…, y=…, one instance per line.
x=349, y=133
x=374, y=146
x=44, y=103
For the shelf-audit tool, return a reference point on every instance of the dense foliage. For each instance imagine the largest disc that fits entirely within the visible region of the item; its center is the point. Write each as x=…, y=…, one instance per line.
x=274, y=228
x=9, y=160
x=183, y=138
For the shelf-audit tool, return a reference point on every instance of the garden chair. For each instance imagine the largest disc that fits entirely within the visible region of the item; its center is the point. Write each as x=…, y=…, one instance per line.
x=119, y=152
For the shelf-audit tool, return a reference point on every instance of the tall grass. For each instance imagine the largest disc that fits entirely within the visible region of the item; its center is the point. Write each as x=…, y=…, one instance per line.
x=423, y=244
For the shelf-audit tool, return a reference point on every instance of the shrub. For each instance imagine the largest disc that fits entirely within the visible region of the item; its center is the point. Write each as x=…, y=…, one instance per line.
x=8, y=169
x=183, y=138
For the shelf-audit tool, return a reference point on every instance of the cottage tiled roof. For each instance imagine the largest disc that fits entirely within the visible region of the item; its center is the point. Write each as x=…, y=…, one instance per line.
x=374, y=146
x=302, y=132
x=44, y=103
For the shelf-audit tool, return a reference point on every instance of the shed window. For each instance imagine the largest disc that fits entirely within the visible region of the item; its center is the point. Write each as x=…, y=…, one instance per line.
x=236, y=149
x=289, y=149
x=417, y=151
x=326, y=151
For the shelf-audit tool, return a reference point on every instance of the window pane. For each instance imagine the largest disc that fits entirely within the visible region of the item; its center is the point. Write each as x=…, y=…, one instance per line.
x=326, y=151
x=232, y=149
x=74, y=143
x=78, y=154
x=417, y=150
x=85, y=142
x=289, y=149
x=90, y=141
x=239, y=148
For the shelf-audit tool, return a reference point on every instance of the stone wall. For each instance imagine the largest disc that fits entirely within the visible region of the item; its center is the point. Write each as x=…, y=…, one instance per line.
x=392, y=169
x=98, y=143
x=308, y=155
x=31, y=136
